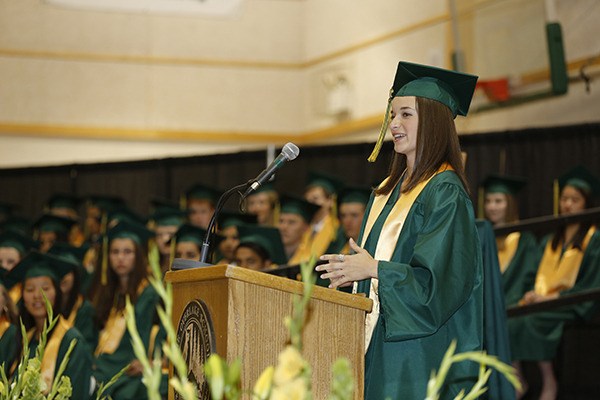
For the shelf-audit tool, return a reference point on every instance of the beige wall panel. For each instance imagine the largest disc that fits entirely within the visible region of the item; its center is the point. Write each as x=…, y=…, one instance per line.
x=334, y=24
x=151, y=97
x=264, y=30
x=581, y=28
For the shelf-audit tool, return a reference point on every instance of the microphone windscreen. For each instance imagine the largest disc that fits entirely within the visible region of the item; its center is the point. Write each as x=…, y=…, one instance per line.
x=290, y=151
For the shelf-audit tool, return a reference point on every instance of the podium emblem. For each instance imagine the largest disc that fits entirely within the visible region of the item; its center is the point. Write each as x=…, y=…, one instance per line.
x=196, y=338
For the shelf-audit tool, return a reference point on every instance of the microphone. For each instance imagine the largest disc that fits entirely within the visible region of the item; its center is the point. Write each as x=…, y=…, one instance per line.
x=289, y=152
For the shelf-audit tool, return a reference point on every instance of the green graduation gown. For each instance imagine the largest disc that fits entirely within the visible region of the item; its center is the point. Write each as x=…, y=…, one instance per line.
x=536, y=337
x=430, y=293
x=84, y=322
x=519, y=275
x=107, y=365
x=8, y=344
x=79, y=366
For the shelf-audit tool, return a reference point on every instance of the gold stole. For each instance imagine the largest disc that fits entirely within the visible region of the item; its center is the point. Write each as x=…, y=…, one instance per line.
x=4, y=325
x=76, y=307
x=49, y=359
x=15, y=292
x=315, y=242
x=388, y=238
x=507, y=247
x=111, y=335
x=558, y=271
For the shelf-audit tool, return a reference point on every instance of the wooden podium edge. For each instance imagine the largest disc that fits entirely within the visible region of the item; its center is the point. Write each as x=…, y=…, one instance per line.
x=267, y=280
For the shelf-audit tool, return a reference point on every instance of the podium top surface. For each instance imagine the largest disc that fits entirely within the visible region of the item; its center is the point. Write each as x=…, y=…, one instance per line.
x=275, y=282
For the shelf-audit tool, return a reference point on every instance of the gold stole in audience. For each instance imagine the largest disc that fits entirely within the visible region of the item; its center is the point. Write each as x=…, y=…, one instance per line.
x=15, y=292
x=111, y=335
x=315, y=243
x=507, y=247
x=388, y=238
x=4, y=325
x=558, y=271
x=49, y=359
x=74, y=310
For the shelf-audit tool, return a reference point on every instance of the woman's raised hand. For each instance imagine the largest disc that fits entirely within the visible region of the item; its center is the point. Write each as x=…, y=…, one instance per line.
x=342, y=270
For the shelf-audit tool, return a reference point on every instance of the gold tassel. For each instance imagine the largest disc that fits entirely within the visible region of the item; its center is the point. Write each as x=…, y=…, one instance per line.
x=480, y=201
x=104, y=272
x=276, y=213
x=556, y=194
x=383, y=131
x=183, y=202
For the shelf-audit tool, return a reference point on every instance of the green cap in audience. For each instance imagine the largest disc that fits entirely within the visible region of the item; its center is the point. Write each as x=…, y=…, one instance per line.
x=265, y=237
x=298, y=206
x=582, y=179
x=503, y=184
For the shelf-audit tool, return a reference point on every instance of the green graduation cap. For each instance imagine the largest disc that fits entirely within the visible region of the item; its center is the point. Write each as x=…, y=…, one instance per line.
x=582, y=179
x=54, y=223
x=167, y=217
x=228, y=218
x=503, y=184
x=124, y=213
x=330, y=183
x=64, y=200
x=453, y=89
x=298, y=206
x=17, y=241
x=200, y=191
x=125, y=229
x=355, y=194
x=70, y=253
x=37, y=264
x=190, y=233
x=265, y=187
x=17, y=224
x=266, y=237
x=161, y=205
x=105, y=203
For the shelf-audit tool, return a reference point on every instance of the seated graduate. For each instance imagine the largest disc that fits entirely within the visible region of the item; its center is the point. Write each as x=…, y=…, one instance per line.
x=9, y=331
x=67, y=206
x=570, y=263
x=321, y=189
x=295, y=218
x=200, y=201
x=264, y=203
x=125, y=274
x=518, y=252
x=77, y=310
x=40, y=275
x=352, y=204
x=165, y=221
x=17, y=223
x=13, y=248
x=50, y=229
x=187, y=242
x=260, y=248
x=228, y=231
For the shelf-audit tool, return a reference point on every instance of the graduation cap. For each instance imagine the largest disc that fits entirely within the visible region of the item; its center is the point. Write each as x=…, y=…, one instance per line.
x=167, y=217
x=265, y=187
x=503, y=184
x=200, y=191
x=355, y=194
x=70, y=253
x=105, y=203
x=161, y=205
x=37, y=264
x=298, y=206
x=63, y=200
x=227, y=219
x=123, y=213
x=451, y=88
x=190, y=233
x=54, y=223
x=17, y=241
x=330, y=183
x=126, y=229
x=266, y=237
x=582, y=179
x=18, y=224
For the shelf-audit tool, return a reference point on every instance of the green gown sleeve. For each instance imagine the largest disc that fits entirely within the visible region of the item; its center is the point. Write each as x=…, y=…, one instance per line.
x=8, y=348
x=420, y=294
x=79, y=366
x=84, y=322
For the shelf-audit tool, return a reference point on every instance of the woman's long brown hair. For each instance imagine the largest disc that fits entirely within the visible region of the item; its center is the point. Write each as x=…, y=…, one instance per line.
x=437, y=143
x=107, y=297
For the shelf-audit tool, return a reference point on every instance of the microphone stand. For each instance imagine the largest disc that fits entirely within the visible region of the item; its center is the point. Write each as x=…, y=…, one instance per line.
x=204, y=252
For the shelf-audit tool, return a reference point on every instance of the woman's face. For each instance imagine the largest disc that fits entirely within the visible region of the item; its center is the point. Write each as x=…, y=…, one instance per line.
x=163, y=235
x=247, y=258
x=230, y=242
x=200, y=212
x=187, y=251
x=33, y=298
x=122, y=256
x=9, y=257
x=404, y=125
x=47, y=240
x=495, y=207
x=571, y=200
x=66, y=284
x=259, y=204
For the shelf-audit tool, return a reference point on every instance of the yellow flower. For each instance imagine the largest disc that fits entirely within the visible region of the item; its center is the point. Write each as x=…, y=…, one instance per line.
x=292, y=390
x=262, y=388
x=290, y=365
x=213, y=370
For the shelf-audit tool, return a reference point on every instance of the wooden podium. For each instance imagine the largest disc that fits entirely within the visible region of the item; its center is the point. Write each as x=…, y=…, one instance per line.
x=247, y=309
